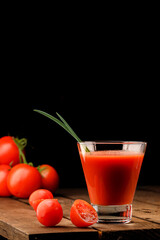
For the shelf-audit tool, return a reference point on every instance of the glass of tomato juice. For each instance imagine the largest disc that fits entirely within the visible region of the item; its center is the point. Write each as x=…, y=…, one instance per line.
x=111, y=171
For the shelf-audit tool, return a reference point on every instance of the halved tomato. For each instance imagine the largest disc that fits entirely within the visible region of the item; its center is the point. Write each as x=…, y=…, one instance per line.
x=82, y=214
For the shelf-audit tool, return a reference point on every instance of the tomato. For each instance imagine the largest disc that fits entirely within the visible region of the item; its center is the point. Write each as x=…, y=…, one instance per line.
x=23, y=179
x=4, y=171
x=49, y=212
x=38, y=196
x=82, y=214
x=50, y=177
x=9, y=149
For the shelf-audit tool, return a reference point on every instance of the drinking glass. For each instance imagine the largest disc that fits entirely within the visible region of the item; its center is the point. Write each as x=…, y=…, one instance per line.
x=111, y=171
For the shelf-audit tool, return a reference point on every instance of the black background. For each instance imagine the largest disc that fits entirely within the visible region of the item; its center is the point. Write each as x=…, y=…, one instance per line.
x=103, y=79
x=108, y=113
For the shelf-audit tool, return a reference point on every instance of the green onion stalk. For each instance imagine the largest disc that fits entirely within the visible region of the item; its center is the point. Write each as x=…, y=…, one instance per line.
x=63, y=124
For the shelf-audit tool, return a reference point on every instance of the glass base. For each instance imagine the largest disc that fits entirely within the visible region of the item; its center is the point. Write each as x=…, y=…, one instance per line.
x=114, y=213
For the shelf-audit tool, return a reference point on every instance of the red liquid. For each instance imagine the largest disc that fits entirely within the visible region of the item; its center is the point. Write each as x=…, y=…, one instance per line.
x=111, y=176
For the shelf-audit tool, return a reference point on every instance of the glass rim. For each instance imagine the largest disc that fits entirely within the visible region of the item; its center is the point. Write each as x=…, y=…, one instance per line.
x=112, y=142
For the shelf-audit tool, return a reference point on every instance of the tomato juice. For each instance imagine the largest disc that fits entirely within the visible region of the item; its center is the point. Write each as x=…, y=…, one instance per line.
x=111, y=175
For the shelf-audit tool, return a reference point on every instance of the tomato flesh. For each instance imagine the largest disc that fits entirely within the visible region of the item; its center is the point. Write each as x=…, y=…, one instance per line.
x=86, y=213
x=82, y=214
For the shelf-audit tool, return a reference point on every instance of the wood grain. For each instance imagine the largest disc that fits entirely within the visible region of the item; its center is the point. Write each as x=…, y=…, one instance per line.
x=146, y=211
x=18, y=219
x=149, y=197
x=155, y=188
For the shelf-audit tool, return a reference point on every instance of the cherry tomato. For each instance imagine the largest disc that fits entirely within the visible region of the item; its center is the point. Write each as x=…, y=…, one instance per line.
x=38, y=196
x=82, y=214
x=50, y=177
x=23, y=179
x=49, y=212
x=4, y=171
x=9, y=151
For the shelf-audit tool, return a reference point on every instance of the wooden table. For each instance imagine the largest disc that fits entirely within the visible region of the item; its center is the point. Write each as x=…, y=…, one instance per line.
x=18, y=220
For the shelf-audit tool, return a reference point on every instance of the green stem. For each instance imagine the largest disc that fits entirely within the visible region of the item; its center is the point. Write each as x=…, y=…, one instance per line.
x=63, y=124
x=40, y=169
x=21, y=144
x=22, y=157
